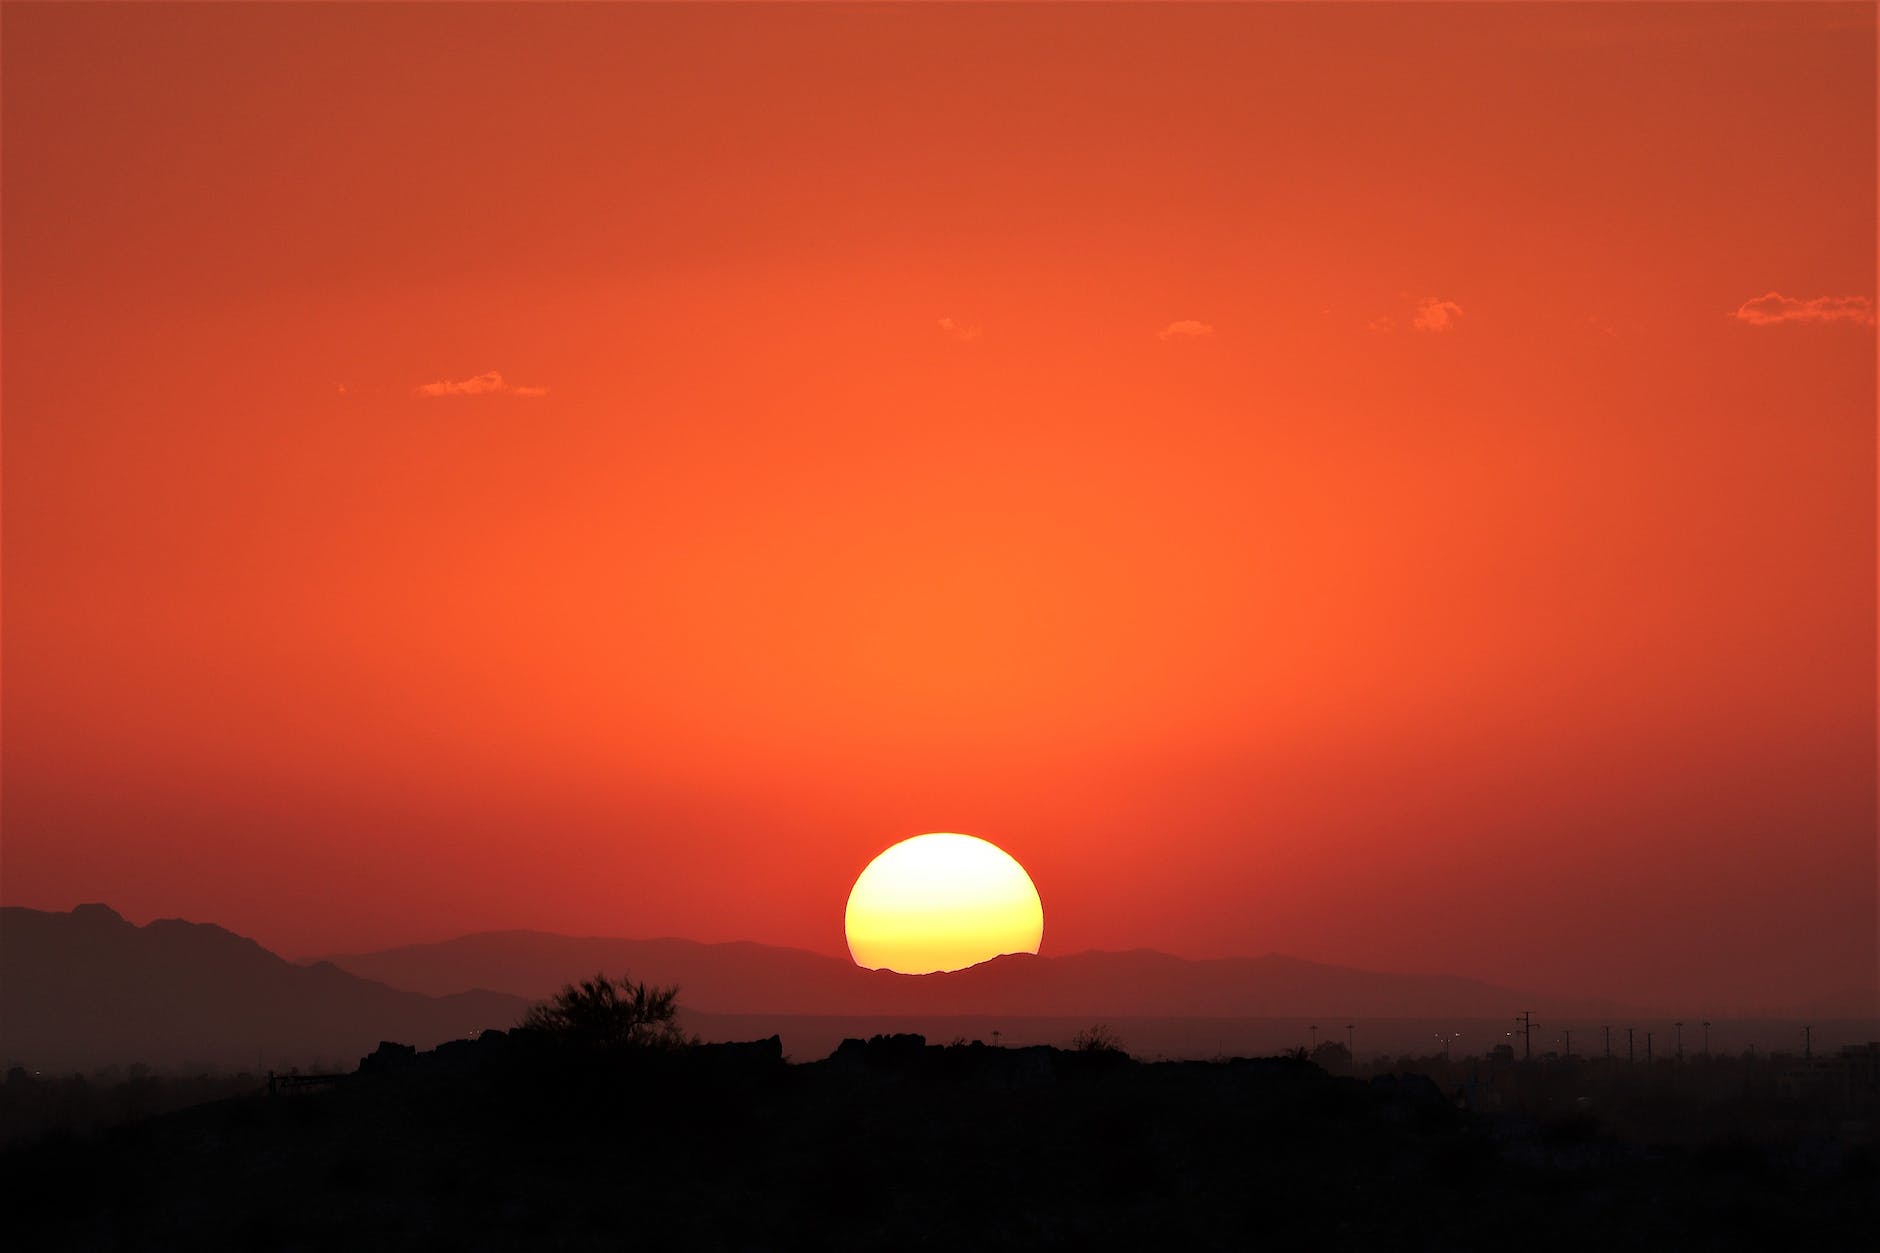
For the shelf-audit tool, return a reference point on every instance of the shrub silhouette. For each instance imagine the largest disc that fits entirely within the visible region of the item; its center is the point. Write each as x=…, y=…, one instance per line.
x=1332, y=1056
x=600, y=1014
x=1098, y=1038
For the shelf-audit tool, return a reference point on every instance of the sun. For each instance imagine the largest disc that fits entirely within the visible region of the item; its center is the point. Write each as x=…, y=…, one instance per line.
x=942, y=902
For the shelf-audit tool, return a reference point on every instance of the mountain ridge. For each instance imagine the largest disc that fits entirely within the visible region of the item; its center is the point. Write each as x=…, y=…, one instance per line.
x=89, y=988
x=744, y=977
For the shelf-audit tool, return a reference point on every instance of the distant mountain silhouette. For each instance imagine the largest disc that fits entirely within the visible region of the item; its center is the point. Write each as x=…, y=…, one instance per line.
x=747, y=978
x=87, y=988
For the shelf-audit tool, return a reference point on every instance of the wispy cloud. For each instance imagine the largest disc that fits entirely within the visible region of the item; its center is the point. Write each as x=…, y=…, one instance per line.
x=1774, y=308
x=959, y=330
x=1383, y=326
x=1436, y=315
x=490, y=384
x=1188, y=328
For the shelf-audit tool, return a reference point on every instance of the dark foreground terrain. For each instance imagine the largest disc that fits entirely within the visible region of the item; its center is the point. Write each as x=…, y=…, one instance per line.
x=511, y=1142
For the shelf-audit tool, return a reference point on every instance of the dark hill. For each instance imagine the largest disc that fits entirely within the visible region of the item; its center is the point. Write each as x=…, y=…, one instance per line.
x=896, y=1144
x=88, y=989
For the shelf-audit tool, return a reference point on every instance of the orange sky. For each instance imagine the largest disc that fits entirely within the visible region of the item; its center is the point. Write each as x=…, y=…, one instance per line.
x=1389, y=485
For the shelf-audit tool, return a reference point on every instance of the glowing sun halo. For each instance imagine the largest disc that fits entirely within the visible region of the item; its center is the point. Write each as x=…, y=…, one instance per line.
x=942, y=902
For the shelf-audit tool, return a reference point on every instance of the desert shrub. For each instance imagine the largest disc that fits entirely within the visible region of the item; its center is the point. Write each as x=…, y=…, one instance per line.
x=600, y=1013
x=1097, y=1038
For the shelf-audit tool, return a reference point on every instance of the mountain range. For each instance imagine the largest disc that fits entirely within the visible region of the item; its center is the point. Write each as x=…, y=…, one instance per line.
x=87, y=988
x=746, y=978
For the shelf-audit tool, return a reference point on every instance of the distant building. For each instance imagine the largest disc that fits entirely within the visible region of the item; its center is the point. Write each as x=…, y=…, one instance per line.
x=1850, y=1077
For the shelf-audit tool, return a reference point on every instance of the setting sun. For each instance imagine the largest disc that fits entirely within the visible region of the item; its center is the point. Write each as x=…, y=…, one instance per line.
x=942, y=902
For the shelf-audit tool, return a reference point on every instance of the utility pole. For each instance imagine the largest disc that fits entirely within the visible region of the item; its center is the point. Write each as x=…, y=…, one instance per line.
x=1566, y=1042
x=1630, y=1056
x=1608, y=1030
x=1680, y=1026
x=1808, y=1042
x=1351, y=1047
x=1527, y=1034
x=1648, y=1050
x=1706, y=1039
x=1315, y=1037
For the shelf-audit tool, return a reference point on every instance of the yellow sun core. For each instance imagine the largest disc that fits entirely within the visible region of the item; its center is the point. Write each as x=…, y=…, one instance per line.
x=942, y=902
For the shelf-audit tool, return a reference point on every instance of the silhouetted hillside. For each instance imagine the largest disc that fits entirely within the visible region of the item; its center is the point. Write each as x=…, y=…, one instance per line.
x=88, y=988
x=747, y=978
x=511, y=1142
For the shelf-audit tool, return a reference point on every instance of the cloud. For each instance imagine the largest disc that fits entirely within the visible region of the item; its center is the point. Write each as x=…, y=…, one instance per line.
x=490, y=384
x=1773, y=308
x=1383, y=326
x=959, y=330
x=1436, y=315
x=1186, y=329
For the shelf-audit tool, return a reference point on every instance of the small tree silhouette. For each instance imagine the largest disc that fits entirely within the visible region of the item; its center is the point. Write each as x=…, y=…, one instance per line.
x=599, y=1013
x=1098, y=1038
x=1333, y=1056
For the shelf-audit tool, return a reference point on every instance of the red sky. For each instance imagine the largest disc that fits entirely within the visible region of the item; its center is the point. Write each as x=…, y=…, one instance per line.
x=1389, y=485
